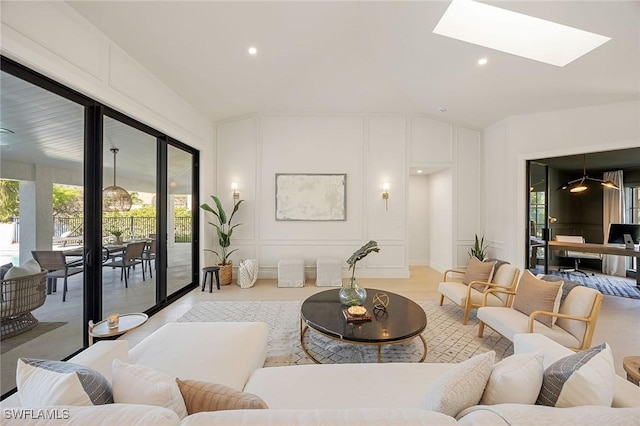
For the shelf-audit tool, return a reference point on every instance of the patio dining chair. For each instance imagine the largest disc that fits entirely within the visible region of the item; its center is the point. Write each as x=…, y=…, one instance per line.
x=148, y=255
x=130, y=257
x=55, y=263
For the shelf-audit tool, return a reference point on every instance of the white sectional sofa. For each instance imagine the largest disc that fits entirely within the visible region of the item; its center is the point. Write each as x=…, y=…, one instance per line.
x=339, y=394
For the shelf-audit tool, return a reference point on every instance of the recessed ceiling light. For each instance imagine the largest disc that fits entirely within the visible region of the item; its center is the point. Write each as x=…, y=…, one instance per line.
x=516, y=33
x=483, y=61
x=419, y=171
x=441, y=109
x=253, y=51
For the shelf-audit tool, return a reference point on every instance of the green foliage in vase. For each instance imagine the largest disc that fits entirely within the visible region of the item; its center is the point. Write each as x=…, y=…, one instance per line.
x=224, y=229
x=360, y=254
x=479, y=249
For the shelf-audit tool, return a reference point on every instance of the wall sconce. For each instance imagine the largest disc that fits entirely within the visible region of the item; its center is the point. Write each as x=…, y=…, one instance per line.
x=234, y=187
x=385, y=195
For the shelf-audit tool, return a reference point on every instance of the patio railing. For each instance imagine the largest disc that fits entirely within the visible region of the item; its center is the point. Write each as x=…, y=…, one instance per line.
x=131, y=227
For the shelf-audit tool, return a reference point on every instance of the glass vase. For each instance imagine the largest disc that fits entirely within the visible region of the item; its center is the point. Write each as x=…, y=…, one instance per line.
x=352, y=294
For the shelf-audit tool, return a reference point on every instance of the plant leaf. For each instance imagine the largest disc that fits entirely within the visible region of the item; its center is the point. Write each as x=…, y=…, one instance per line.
x=221, y=213
x=235, y=209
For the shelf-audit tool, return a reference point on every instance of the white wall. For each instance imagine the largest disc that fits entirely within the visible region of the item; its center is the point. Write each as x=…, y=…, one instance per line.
x=507, y=146
x=419, y=220
x=441, y=220
x=371, y=150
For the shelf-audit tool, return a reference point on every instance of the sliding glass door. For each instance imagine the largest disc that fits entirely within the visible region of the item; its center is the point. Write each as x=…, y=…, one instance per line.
x=129, y=225
x=180, y=212
x=42, y=198
x=61, y=155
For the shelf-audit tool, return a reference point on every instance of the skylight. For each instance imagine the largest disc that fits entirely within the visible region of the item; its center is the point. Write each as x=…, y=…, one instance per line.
x=516, y=33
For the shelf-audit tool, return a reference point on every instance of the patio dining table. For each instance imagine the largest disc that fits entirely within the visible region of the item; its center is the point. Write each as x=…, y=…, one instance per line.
x=109, y=250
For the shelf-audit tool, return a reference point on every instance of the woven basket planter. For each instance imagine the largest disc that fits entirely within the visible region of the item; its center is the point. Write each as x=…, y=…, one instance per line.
x=226, y=273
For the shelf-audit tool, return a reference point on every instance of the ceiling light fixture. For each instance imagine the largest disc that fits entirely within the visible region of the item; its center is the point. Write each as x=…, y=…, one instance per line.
x=580, y=184
x=441, y=109
x=115, y=198
x=419, y=171
x=483, y=61
x=516, y=33
x=252, y=51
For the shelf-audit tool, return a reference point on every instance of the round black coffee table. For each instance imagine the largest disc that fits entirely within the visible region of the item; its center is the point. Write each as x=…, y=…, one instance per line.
x=402, y=321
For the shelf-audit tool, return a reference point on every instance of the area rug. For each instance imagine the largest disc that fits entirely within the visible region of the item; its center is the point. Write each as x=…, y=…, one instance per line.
x=605, y=284
x=20, y=339
x=447, y=339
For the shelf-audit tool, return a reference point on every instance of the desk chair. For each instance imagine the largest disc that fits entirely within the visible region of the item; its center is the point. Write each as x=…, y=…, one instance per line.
x=575, y=255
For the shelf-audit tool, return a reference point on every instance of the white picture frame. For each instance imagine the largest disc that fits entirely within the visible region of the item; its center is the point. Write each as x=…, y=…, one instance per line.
x=311, y=197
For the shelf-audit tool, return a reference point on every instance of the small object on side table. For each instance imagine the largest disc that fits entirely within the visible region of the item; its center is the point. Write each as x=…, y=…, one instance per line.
x=126, y=322
x=631, y=365
x=113, y=320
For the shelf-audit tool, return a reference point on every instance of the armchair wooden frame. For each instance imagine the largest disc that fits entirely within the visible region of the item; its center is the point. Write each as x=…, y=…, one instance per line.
x=487, y=289
x=590, y=320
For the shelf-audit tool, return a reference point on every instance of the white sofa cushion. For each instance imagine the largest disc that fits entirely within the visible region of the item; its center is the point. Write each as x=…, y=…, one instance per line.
x=515, y=379
x=539, y=415
x=219, y=352
x=45, y=382
x=584, y=378
x=100, y=356
x=135, y=384
x=399, y=385
x=98, y=415
x=461, y=386
x=29, y=267
x=342, y=417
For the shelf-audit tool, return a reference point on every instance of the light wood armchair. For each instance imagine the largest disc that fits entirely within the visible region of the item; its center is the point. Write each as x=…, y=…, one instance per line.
x=474, y=295
x=575, y=321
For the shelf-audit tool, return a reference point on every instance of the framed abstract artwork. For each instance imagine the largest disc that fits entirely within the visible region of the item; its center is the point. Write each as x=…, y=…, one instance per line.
x=311, y=197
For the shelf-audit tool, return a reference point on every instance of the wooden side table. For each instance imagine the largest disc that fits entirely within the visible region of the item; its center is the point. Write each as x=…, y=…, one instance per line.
x=631, y=365
x=126, y=323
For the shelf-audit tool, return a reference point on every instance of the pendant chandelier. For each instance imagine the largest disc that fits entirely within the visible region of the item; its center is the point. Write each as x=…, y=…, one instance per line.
x=115, y=198
x=580, y=184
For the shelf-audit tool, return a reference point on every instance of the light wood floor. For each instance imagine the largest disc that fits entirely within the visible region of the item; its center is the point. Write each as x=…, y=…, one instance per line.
x=617, y=325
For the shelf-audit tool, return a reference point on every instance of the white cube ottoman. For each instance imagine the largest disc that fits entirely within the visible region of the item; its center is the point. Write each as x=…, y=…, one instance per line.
x=291, y=273
x=328, y=272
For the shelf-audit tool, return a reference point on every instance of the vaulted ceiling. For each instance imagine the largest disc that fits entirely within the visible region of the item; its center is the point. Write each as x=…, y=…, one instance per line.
x=366, y=57
x=332, y=57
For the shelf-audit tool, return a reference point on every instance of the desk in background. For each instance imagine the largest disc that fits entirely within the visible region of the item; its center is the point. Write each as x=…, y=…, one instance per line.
x=611, y=249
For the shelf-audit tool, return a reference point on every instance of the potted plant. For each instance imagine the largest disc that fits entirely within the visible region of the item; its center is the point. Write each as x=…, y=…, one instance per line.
x=118, y=234
x=479, y=249
x=224, y=230
x=352, y=293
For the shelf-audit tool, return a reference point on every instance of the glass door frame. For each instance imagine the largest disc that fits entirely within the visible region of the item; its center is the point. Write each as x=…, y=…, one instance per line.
x=93, y=183
x=546, y=232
